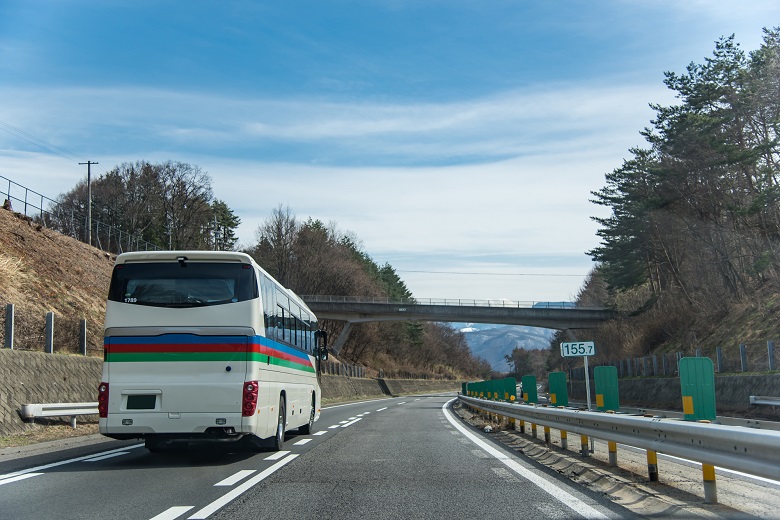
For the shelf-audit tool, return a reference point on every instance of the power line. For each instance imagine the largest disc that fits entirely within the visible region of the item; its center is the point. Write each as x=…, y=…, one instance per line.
x=488, y=274
x=37, y=141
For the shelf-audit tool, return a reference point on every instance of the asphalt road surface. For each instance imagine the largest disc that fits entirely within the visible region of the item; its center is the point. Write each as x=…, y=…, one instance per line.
x=404, y=457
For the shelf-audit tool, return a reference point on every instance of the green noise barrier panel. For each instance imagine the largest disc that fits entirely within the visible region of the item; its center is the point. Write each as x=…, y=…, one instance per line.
x=559, y=393
x=697, y=386
x=606, y=380
x=530, y=395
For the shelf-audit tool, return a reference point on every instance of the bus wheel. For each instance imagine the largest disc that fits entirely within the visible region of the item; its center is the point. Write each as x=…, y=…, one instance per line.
x=307, y=429
x=278, y=441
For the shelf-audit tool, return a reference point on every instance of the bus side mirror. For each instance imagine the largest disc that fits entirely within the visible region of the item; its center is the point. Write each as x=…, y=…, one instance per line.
x=322, y=345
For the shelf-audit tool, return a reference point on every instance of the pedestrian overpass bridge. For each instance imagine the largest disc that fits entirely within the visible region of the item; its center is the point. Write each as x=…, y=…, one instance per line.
x=556, y=315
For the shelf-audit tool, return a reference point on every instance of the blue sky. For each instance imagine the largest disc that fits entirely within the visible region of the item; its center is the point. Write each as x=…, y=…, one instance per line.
x=457, y=136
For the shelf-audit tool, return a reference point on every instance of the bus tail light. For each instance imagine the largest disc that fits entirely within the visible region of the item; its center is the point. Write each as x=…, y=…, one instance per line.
x=249, y=403
x=103, y=400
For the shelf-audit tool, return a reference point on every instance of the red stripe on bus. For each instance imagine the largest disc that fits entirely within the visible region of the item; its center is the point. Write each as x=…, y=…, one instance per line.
x=176, y=347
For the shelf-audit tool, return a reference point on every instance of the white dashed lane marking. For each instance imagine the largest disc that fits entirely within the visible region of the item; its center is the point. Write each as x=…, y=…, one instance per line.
x=234, y=479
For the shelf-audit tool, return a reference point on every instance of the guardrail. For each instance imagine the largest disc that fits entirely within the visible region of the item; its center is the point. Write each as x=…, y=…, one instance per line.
x=31, y=411
x=763, y=399
x=749, y=450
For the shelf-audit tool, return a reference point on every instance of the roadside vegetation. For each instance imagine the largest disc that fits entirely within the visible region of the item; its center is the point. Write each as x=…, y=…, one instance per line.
x=690, y=250
x=171, y=205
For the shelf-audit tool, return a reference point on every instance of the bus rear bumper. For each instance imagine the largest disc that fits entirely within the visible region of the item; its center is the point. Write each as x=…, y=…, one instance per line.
x=181, y=425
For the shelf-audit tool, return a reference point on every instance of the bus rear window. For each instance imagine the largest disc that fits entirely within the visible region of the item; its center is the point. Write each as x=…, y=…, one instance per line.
x=190, y=284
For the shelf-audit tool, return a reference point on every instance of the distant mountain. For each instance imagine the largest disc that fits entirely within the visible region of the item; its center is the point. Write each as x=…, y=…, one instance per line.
x=493, y=342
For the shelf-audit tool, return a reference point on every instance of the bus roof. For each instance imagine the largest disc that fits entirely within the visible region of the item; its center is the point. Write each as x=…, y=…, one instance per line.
x=172, y=256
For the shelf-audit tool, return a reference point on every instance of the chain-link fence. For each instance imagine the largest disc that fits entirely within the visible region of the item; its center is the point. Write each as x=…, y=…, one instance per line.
x=72, y=223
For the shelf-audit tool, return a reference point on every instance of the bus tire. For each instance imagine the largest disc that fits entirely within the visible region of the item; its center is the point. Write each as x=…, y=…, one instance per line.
x=278, y=441
x=308, y=428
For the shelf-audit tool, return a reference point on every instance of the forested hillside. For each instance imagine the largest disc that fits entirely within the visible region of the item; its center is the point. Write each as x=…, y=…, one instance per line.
x=311, y=257
x=690, y=249
x=170, y=205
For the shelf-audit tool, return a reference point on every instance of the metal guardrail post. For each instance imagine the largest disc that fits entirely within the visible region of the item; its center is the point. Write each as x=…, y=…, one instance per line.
x=710, y=486
x=83, y=337
x=652, y=465
x=584, y=448
x=612, y=446
x=719, y=359
x=770, y=350
x=9, y=326
x=743, y=357
x=49, y=334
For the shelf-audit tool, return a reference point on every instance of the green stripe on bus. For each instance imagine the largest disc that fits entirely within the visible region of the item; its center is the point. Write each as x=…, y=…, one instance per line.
x=175, y=356
x=291, y=364
x=151, y=357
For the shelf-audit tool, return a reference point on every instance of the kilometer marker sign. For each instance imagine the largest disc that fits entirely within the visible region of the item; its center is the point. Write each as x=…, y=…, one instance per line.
x=578, y=348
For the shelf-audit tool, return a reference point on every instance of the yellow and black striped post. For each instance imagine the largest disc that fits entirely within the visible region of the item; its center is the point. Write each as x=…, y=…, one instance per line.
x=564, y=440
x=522, y=427
x=547, y=435
x=652, y=466
x=710, y=488
x=612, y=453
x=533, y=429
x=584, y=446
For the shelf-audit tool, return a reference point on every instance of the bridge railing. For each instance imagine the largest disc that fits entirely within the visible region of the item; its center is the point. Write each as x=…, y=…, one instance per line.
x=501, y=303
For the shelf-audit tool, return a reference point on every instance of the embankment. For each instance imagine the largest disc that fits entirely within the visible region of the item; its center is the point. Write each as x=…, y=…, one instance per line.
x=35, y=377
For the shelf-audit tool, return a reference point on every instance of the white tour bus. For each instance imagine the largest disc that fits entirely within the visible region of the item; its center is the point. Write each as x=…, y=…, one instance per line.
x=206, y=346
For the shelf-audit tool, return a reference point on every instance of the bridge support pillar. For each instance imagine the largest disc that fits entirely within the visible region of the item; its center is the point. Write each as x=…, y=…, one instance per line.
x=342, y=338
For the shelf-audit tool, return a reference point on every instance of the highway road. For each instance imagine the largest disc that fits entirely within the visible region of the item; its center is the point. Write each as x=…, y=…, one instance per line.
x=404, y=457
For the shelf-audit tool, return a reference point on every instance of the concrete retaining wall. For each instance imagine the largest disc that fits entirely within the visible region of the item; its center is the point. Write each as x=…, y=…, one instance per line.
x=35, y=377
x=731, y=393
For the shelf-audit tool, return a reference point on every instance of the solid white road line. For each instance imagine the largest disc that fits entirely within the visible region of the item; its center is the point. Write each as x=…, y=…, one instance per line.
x=18, y=478
x=278, y=455
x=238, y=491
x=104, y=457
x=535, y=478
x=63, y=462
x=172, y=513
x=238, y=477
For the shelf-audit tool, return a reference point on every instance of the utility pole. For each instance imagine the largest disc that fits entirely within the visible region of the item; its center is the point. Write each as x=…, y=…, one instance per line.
x=89, y=200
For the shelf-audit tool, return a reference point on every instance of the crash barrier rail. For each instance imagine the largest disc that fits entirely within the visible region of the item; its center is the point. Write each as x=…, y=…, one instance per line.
x=749, y=450
x=32, y=411
x=765, y=399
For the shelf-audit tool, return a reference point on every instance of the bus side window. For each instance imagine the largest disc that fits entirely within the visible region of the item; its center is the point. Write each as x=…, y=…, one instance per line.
x=280, y=324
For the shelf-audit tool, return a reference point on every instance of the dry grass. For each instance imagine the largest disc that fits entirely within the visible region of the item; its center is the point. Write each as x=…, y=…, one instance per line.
x=53, y=430
x=41, y=271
